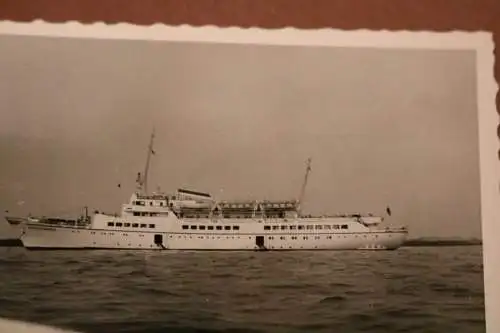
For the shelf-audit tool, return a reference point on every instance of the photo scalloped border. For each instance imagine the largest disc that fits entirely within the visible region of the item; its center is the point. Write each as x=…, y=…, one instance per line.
x=487, y=89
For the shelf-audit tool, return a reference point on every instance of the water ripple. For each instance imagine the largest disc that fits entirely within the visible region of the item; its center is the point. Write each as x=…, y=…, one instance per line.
x=411, y=290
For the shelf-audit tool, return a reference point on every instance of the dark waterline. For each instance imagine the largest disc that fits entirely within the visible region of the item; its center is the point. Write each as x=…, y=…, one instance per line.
x=411, y=242
x=414, y=289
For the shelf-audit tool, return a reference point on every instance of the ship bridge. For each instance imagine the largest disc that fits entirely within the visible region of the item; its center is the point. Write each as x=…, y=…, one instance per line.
x=146, y=205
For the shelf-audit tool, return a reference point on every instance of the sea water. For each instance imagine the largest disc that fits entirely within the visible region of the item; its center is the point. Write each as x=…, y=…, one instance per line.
x=413, y=289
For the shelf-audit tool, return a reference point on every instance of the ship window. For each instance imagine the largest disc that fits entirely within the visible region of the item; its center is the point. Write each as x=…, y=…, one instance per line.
x=335, y=226
x=275, y=227
x=127, y=224
x=319, y=227
x=202, y=227
x=293, y=227
x=266, y=227
x=218, y=227
x=210, y=227
x=152, y=226
x=151, y=203
x=283, y=227
x=119, y=224
x=161, y=203
x=143, y=225
x=326, y=226
x=135, y=225
x=185, y=227
x=301, y=227
x=236, y=227
x=227, y=227
x=193, y=227
x=344, y=226
x=309, y=227
x=110, y=224
x=136, y=214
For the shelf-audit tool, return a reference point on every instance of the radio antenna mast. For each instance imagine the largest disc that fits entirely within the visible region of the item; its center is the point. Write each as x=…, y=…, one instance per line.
x=144, y=180
x=304, y=184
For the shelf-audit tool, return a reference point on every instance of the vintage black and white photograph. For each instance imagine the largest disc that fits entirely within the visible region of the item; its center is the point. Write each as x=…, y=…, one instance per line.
x=198, y=181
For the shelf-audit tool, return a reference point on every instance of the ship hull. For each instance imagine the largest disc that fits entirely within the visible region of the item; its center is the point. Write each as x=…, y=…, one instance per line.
x=68, y=238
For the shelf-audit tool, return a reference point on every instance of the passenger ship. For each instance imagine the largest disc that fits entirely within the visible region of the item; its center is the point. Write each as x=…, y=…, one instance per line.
x=192, y=220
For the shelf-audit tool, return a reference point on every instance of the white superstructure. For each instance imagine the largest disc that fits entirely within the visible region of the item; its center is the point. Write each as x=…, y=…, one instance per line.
x=191, y=220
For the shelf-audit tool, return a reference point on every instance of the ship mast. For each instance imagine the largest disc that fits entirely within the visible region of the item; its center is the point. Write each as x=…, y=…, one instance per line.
x=304, y=184
x=148, y=159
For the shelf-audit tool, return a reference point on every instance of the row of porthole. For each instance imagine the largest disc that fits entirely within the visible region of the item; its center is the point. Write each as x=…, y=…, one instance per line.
x=270, y=237
x=210, y=227
x=306, y=237
x=239, y=237
x=129, y=244
x=151, y=246
x=112, y=234
x=131, y=225
x=306, y=227
x=208, y=237
x=318, y=237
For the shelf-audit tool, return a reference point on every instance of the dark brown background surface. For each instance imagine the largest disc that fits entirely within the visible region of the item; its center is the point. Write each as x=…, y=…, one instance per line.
x=435, y=15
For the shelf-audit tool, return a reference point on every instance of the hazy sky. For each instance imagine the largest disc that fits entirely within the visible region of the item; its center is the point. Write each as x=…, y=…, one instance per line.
x=384, y=127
